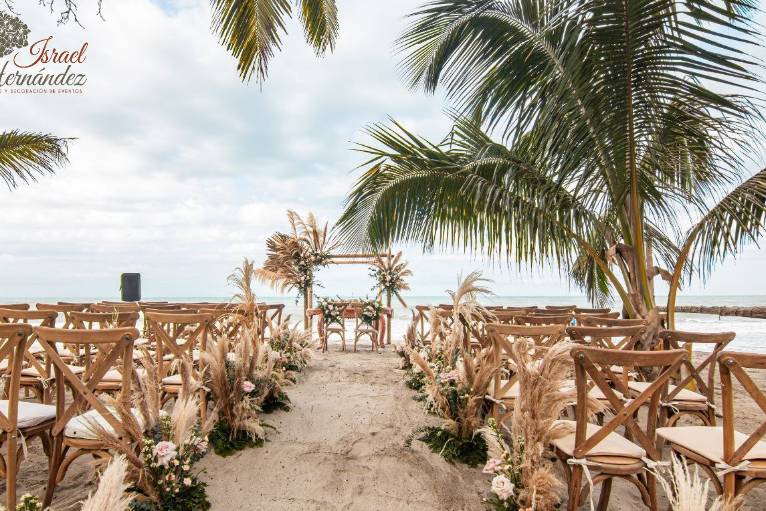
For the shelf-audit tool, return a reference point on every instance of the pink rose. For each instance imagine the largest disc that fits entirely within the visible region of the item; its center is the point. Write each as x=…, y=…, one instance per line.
x=502, y=487
x=492, y=465
x=247, y=387
x=450, y=376
x=165, y=452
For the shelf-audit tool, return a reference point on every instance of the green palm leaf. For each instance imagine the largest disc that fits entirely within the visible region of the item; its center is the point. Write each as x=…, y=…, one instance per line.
x=24, y=156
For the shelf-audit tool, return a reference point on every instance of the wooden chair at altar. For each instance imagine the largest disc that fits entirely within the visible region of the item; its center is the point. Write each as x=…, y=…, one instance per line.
x=179, y=337
x=376, y=332
x=599, y=451
x=271, y=318
x=734, y=461
x=36, y=373
x=335, y=328
x=681, y=399
x=73, y=433
x=20, y=421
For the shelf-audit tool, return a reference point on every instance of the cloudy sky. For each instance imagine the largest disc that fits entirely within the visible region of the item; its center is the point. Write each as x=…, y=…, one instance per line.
x=179, y=170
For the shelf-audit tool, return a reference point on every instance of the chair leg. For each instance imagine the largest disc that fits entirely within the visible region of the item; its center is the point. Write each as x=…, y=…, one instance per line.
x=53, y=469
x=606, y=491
x=575, y=485
x=11, y=467
x=651, y=487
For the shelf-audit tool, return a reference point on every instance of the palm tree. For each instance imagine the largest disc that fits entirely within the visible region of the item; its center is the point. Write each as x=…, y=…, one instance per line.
x=252, y=30
x=24, y=156
x=587, y=134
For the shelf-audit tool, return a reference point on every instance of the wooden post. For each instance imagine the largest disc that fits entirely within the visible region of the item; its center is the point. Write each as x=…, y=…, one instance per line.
x=306, y=325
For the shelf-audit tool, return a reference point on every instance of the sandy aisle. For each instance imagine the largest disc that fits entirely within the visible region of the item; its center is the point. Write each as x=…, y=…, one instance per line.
x=341, y=447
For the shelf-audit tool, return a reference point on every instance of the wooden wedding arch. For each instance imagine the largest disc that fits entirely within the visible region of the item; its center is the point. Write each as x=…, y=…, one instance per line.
x=358, y=259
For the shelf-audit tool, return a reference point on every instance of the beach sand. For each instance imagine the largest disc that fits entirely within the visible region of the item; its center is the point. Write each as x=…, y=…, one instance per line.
x=342, y=447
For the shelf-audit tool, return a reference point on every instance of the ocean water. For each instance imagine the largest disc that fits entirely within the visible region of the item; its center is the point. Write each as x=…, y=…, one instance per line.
x=751, y=333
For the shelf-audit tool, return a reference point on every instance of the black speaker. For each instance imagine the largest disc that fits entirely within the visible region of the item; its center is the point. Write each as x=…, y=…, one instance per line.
x=130, y=287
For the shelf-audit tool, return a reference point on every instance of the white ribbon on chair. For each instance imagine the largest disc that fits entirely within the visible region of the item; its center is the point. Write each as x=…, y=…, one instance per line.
x=584, y=464
x=725, y=468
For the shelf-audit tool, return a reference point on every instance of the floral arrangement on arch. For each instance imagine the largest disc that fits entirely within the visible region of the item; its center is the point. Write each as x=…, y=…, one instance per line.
x=371, y=311
x=332, y=310
x=389, y=274
x=293, y=258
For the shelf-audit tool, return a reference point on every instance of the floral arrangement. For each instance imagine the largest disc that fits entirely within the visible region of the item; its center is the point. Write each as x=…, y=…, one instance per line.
x=232, y=368
x=162, y=473
x=170, y=465
x=292, y=259
x=332, y=310
x=371, y=312
x=389, y=274
x=504, y=464
x=293, y=345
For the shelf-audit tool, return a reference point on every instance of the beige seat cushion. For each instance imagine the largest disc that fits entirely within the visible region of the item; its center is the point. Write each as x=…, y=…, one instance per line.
x=683, y=395
x=569, y=386
x=173, y=379
x=336, y=328
x=81, y=427
x=707, y=441
x=30, y=414
x=613, y=445
x=31, y=371
x=113, y=375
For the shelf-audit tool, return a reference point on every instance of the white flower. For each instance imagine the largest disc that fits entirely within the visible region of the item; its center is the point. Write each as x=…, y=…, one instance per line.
x=187, y=481
x=502, y=487
x=165, y=451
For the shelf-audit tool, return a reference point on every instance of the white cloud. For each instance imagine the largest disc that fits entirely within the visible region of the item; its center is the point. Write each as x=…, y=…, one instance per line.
x=179, y=170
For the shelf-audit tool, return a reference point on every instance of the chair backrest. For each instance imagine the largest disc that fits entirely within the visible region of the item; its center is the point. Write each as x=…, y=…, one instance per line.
x=590, y=320
x=508, y=317
x=594, y=365
x=610, y=337
x=501, y=348
x=115, y=307
x=545, y=319
x=567, y=308
x=114, y=347
x=13, y=344
x=102, y=320
x=692, y=372
x=81, y=305
x=584, y=310
x=735, y=364
x=62, y=308
x=177, y=334
x=15, y=306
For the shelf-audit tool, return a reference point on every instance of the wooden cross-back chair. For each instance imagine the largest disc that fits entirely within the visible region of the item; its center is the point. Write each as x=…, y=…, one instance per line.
x=544, y=319
x=36, y=374
x=600, y=449
x=734, y=461
x=361, y=330
x=610, y=337
x=505, y=390
x=681, y=400
x=271, y=317
x=82, y=305
x=15, y=306
x=179, y=338
x=335, y=328
x=115, y=307
x=425, y=315
x=20, y=421
x=565, y=308
x=73, y=433
x=588, y=320
x=580, y=316
x=102, y=321
x=64, y=309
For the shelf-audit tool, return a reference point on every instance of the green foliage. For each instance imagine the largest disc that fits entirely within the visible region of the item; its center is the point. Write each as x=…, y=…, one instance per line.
x=415, y=381
x=225, y=443
x=471, y=451
x=29, y=502
x=586, y=135
x=24, y=156
x=276, y=401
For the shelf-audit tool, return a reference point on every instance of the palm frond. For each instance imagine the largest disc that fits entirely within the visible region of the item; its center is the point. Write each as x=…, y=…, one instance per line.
x=24, y=156
x=320, y=24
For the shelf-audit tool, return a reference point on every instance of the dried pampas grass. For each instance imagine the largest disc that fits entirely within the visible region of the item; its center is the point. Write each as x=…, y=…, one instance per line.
x=686, y=490
x=111, y=493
